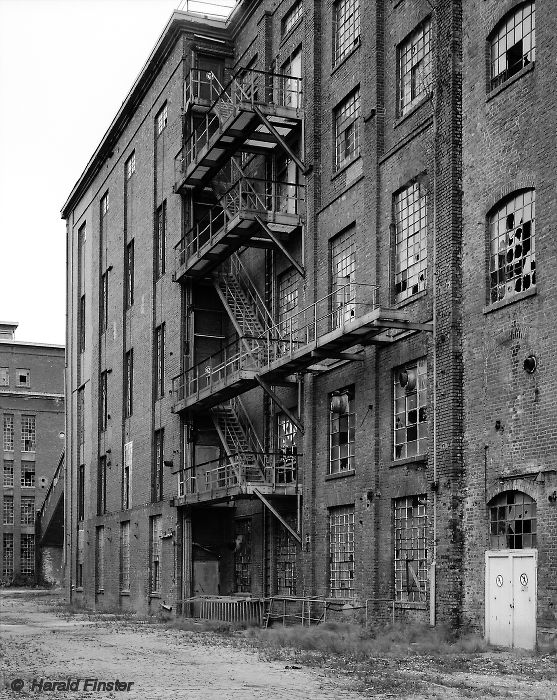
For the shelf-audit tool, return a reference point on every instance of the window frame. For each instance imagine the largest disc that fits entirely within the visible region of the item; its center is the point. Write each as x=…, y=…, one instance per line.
x=157, y=470
x=409, y=203
x=350, y=133
x=27, y=554
x=160, y=241
x=129, y=274
x=8, y=432
x=403, y=394
x=343, y=553
x=335, y=463
x=8, y=473
x=345, y=30
x=21, y=371
x=155, y=568
x=291, y=18
x=504, y=530
x=160, y=342
x=7, y=555
x=29, y=434
x=407, y=580
x=8, y=512
x=81, y=493
x=161, y=119
x=417, y=72
x=128, y=383
x=499, y=36
x=125, y=556
x=27, y=469
x=130, y=166
x=99, y=559
x=101, y=484
x=103, y=401
x=27, y=510
x=4, y=376
x=342, y=258
x=103, y=302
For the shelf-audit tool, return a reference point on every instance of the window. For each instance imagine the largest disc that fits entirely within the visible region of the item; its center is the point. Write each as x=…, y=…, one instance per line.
x=129, y=279
x=346, y=28
x=242, y=556
x=160, y=241
x=513, y=45
x=155, y=554
x=285, y=555
x=27, y=510
x=343, y=266
x=410, y=214
x=130, y=166
x=104, y=206
x=28, y=433
x=8, y=472
x=342, y=429
x=81, y=492
x=127, y=476
x=341, y=551
x=287, y=462
x=8, y=432
x=99, y=559
x=512, y=259
x=79, y=560
x=23, y=377
x=125, y=556
x=410, y=560
x=291, y=17
x=157, y=465
x=101, y=486
x=103, y=398
x=103, y=303
x=290, y=95
x=414, y=67
x=128, y=384
x=346, y=119
x=287, y=303
x=4, y=376
x=512, y=521
x=81, y=324
x=81, y=416
x=7, y=555
x=27, y=555
x=8, y=518
x=28, y=474
x=161, y=119
x=410, y=404
x=159, y=360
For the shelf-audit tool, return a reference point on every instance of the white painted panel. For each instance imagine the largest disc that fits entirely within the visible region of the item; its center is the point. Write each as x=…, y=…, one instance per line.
x=524, y=589
x=498, y=604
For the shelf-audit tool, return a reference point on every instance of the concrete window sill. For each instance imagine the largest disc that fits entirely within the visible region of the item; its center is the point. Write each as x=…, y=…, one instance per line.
x=340, y=475
x=510, y=81
x=510, y=300
x=418, y=460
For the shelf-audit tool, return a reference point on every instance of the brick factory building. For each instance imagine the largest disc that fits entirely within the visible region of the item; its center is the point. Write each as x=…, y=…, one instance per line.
x=309, y=354
x=32, y=415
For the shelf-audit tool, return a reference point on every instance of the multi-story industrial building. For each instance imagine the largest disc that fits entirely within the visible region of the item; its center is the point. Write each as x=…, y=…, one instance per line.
x=306, y=335
x=32, y=415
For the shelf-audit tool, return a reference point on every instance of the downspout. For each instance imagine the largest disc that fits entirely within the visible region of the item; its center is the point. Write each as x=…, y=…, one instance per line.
x=433, y=568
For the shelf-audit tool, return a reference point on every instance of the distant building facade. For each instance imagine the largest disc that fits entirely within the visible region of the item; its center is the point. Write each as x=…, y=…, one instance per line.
x=32, y=417
x=309, y=350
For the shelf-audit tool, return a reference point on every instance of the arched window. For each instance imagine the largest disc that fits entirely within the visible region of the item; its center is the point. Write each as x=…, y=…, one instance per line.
x=512, y=259
x=512, y=521
x=513, y=44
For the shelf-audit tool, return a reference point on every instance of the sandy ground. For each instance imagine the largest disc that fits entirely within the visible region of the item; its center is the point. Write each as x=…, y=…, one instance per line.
x=39, y=640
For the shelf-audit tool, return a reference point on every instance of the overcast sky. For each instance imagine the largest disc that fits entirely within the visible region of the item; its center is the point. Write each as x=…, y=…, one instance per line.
x=65, y=68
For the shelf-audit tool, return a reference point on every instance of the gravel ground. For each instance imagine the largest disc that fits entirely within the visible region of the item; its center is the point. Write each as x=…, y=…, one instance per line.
x=38, y=639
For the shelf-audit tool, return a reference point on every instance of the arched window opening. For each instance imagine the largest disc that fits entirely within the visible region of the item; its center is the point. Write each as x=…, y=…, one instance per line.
x=512, y=259
x=512, y=521
x=513, y=45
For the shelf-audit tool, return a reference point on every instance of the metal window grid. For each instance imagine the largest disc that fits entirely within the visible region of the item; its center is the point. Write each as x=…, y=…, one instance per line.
x=130, y=166
x=7, y=555
x=287, y=299
x=341, y=551
x=415, y=66
x=27, y=479
x=159, y=356
x=129, y=274
x=158, y=464
x=347, y=129
x=8, y=432
x=162, y=119
x=286, y=432
x=410, y=551
x=103, y=304
x=514, y=44
x=342, y=436
x=104, y=401
x=125, y=556
x=410, y=413
x=343, y=268
x=242, y=556
x=8, y=511
x=128, y=383
x=346, y=27
x=291, y=17
x=160, y=243
x=27, y=555
x=27, y=510
x=512, y=267
x=156, y=521
x=28, y=433
x=286, y=550
x=99, y=558
x=512, y=521
x=410, y=211
x=8, y=472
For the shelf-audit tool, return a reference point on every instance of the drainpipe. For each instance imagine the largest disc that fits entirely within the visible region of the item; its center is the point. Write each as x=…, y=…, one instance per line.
x=433, y=568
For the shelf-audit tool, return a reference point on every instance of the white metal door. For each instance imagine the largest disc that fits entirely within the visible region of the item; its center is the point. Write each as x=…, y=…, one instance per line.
x=510, y=598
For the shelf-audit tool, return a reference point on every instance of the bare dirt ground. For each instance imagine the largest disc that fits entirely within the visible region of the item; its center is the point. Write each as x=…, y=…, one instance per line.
x=40, y=639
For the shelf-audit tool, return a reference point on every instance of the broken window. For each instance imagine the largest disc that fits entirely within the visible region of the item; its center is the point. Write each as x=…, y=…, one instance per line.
x=285, y=553
x=27, y=474
x=23, y=377
x=414, y=67
x=513, y=45
x=242, y=556
x=8, y=510
x=346, y=28
x=410, y=410
x=512, y=521
x=99, y=559
x=343, y=276
x=125, y=556
x=346, y=119
x=8, y=432
x=7, y=556
x=8, y=472
x=410, y=555
x=287, y=461
x=341, y=551
x=342, y=430
x=155, y=558
x=27, y=510
x=28, y=433
x=410, y=214
x=512, y=266
x=27, y=555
